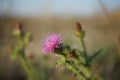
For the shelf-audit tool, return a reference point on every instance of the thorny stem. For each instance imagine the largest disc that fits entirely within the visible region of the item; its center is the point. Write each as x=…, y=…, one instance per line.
x=76, y=70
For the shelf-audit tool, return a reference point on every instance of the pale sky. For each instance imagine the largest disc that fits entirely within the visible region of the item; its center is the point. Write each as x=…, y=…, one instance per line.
x=55, y=7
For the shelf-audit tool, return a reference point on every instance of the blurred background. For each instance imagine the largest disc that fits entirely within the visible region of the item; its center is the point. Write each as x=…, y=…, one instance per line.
x=99, y=18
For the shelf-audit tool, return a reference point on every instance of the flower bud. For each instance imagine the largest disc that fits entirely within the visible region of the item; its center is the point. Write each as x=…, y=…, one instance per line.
x=78, y=27
x=18, y=29
x=11, y=49
x=19, y=26
x=30, y=57
x=72, y=54
x=79, y=32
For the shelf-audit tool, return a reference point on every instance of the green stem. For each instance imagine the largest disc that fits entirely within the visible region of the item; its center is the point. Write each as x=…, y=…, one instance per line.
x=85, y=51
x=27, y=68
x=87, y=66
x=83, y=44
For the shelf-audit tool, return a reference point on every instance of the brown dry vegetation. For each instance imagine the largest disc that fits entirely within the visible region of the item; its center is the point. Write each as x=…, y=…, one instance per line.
x=99, y=34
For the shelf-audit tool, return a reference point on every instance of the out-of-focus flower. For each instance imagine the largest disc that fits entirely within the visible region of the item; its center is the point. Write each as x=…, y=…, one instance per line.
x=19, y=30
x=52, y=42
x=19, y=26
x=79, y=32
x=78, y=27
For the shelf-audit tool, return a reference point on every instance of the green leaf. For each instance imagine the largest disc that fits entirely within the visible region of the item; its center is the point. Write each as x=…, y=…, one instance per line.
x=81, y=56
x=95, y=55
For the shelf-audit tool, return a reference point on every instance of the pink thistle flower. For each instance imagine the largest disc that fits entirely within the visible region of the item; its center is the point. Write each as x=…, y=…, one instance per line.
x=52, y=42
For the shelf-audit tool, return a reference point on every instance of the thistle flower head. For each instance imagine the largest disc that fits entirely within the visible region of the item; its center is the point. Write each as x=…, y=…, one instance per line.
x=52, y=42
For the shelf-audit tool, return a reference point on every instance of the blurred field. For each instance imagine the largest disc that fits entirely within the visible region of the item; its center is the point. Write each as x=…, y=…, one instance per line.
x=99, y=34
